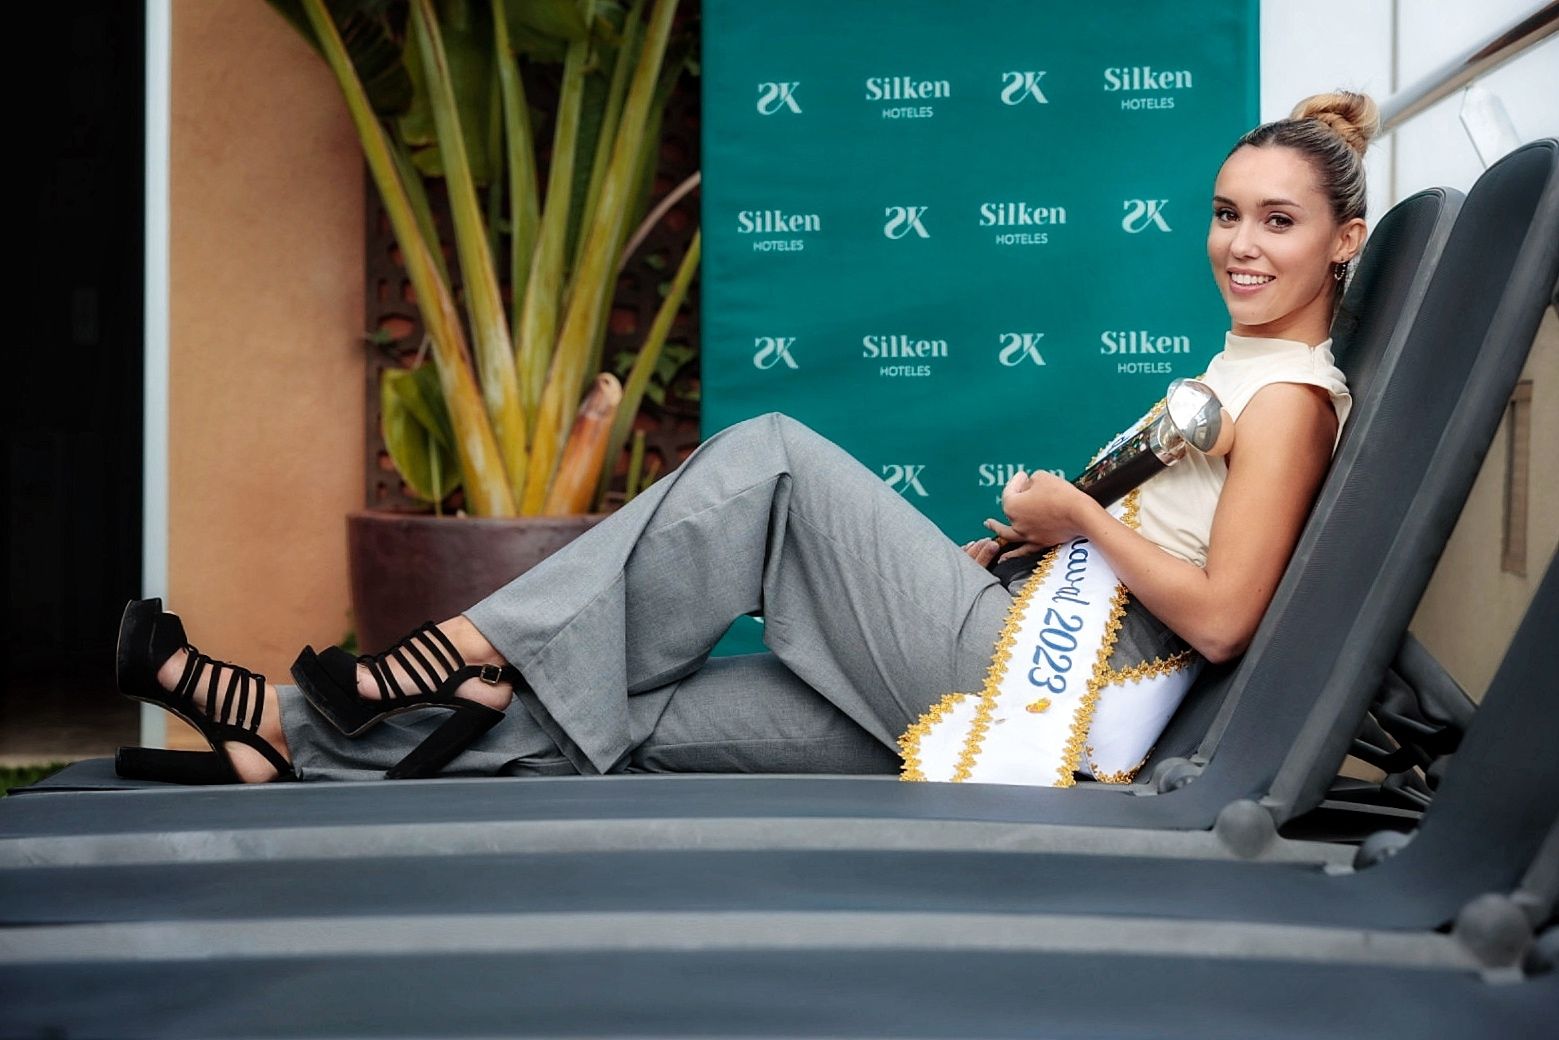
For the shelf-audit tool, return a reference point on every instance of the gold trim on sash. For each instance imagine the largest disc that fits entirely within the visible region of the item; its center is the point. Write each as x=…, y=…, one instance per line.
x=1125, y=776
x=998, y=669
x=1082, y=719
x=1101, y=676
x=909, y=743
x=1153, y=669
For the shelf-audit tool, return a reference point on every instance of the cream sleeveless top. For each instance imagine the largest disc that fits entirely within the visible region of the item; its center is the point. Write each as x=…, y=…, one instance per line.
x=1176, y=506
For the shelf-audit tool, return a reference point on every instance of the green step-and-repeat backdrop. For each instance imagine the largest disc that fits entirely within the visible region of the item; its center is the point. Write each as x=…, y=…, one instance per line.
x=960, y=238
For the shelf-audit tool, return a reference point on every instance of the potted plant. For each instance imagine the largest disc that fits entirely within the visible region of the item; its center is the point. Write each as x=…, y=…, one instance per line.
x=509, y=413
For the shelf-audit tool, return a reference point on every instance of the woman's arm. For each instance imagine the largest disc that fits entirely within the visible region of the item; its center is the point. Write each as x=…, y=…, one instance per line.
x=1283, y=442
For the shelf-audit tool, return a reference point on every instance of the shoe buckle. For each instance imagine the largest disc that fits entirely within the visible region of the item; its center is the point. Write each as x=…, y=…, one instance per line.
x=491, y=674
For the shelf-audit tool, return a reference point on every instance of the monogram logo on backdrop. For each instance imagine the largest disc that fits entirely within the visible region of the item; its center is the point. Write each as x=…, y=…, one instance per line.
x=907, y=88
x=1149, y=87
x=773, y=97
x=1020, y=215
x=1018, y=347
x=904, y=219
x=905, y=479
x=1142, y=214
x=776, y=226
x=1018, y=87
x=1149, y=346
x=769, y=351
x=900, y=348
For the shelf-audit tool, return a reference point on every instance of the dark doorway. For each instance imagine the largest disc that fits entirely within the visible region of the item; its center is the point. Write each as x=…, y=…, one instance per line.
x=73, y=414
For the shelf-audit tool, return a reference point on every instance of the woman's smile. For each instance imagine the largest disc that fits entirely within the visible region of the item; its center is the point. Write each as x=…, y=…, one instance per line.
x=1248, y=283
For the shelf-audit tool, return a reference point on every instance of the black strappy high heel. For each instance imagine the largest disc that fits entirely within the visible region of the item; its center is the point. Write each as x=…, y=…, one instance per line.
x=329, y=680
x=235, y=699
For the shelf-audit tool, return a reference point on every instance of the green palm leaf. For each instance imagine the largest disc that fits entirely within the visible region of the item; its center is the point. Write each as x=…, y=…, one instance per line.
x=484, y=302
x=597, y=272
x=417, y=433
x=481, y=465
x=370, y=34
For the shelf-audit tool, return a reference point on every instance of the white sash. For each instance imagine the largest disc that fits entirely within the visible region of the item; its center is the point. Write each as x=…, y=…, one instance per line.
x=1052, y=706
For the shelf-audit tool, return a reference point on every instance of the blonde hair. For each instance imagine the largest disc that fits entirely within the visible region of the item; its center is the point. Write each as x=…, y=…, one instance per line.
x=1332, y=132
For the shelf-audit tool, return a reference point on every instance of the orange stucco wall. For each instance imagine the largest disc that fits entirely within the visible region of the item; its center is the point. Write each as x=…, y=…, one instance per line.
x=265, y=352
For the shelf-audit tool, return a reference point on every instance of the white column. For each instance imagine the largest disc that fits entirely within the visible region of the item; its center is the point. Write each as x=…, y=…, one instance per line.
x=154, y=447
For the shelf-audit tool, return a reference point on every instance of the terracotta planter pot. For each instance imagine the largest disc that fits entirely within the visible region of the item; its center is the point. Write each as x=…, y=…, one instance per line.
x=407, y=569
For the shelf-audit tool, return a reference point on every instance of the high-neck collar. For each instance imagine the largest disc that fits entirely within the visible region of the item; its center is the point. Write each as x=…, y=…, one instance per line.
x=1242, y=347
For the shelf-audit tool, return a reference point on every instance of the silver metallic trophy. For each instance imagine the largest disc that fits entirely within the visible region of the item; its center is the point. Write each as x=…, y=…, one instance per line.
x=1193, y=418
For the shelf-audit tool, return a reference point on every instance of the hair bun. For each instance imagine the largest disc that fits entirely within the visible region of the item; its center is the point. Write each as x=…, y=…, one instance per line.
x=1354, y=117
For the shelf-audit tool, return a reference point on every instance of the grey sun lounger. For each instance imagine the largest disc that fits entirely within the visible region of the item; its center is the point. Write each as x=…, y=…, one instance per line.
x=1446, y=305
x=1497, y=813
x=1452, y=936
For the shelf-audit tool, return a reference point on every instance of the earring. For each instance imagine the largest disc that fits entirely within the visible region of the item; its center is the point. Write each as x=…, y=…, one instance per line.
x=1339, y=269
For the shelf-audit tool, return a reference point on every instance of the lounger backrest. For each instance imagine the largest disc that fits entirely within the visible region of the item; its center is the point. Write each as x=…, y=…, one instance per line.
x=1372, y=546
x=1373, y=344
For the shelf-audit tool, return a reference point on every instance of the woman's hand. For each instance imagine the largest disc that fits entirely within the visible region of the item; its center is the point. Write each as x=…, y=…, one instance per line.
x=982, y=550
x=1042, y=510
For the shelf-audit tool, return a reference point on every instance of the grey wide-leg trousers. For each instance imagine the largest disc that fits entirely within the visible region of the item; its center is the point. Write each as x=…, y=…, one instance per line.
x=870, y=613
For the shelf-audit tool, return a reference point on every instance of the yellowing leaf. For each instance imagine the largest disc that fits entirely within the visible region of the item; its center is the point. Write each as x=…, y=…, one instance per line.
x=418, y=443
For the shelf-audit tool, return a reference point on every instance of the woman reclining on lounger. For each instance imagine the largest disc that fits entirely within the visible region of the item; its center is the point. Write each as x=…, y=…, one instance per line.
x=871, y=615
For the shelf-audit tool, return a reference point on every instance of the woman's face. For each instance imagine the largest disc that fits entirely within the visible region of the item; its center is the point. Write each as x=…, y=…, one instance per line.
x=1272, y=243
